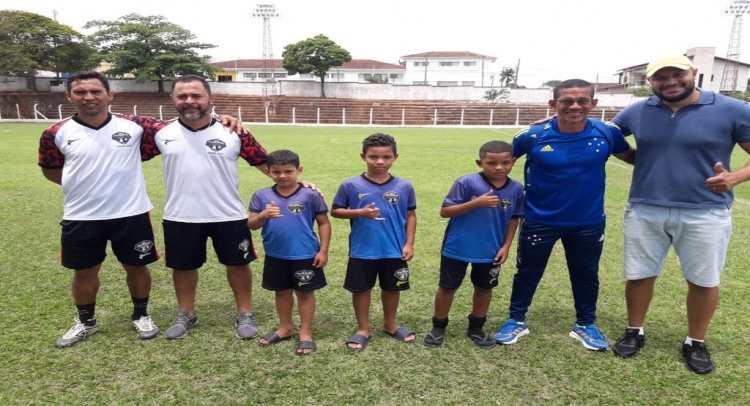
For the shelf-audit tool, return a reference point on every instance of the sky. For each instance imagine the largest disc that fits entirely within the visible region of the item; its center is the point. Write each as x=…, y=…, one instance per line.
x=552, y=39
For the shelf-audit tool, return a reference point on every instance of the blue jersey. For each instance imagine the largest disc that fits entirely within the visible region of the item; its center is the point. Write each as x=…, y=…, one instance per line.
x=291, y=236
x=373, y=239
x=477, y=235
x=565, y=181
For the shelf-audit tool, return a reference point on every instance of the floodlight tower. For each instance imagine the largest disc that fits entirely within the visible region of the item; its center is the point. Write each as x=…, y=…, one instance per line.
x=736, y=8
x=267, y=12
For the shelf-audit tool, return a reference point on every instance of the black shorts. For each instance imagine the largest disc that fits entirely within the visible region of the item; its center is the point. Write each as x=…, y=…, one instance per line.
x=185, y=243
x=84, y=242
x=283, y=274
x=453, y=271
x=362, y=273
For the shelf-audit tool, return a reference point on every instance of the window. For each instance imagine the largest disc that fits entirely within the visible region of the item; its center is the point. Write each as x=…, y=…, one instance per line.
x=338, y=76
x=422, y=63
x=249, y=75
x=279, y=75
x=264, y=75
x=396, y=76
x=363, y=76
x=306, y=76
x=472, y=63
x=448, y=63
x=419, y=82
x=447, y=83
x=225, y=78
x=467, y=83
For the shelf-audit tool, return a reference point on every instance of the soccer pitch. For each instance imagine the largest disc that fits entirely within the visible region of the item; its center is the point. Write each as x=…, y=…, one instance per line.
x=211, y=366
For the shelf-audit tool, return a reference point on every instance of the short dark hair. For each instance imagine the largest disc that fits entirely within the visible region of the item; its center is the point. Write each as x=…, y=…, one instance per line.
x=86, y=75
x=191, y=78
x=378, y=140
x=282, y=157
x=572, y=84
x=494, y=147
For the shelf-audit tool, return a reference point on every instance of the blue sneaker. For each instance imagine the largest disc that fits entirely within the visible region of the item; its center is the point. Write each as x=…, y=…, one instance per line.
x=591, y=337
x=510, y=332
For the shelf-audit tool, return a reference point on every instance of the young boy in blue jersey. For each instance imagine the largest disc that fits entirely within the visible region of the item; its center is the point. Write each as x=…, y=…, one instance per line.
x=484, y=209
x=381, y=209
x=295, y=257
x=564, y=181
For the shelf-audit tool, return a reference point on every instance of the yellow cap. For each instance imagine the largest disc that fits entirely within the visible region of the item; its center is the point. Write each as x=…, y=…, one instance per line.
x=675, y=61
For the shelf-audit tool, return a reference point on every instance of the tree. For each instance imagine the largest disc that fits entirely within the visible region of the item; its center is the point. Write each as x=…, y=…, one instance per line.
x=314, y=55
x=496, y=95
x=30, y=42
x=376, y=79
x=552, y=83
x=507, y=75
x=149, y=48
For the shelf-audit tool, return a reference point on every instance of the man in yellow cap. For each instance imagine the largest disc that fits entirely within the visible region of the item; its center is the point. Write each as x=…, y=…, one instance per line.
x=681, y=195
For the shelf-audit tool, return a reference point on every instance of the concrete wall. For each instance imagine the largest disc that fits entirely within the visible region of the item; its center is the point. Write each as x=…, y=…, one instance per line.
x=339, y=90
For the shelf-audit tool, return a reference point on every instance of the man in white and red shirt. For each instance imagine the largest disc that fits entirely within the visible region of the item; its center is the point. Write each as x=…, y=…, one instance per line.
x=200, y=172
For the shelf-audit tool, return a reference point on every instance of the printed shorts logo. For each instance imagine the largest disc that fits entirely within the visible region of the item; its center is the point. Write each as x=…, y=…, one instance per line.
x=505, y=204
x=495, y=271
x=304, y=275
x=402, y=274
x=244, y=246
x=216, y=145
x=295, y=207
x=391, y=197
x=144, y=246
x=121, y=137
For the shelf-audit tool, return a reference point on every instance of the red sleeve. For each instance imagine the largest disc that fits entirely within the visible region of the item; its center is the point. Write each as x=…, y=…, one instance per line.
x=251, y=151
x=50, y=156
x=150, y=127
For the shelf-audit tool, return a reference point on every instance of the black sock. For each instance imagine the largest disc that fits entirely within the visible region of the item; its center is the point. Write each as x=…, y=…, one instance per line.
x=86, y=313
x=439, y=323
x=140, y=308
x=476, y=324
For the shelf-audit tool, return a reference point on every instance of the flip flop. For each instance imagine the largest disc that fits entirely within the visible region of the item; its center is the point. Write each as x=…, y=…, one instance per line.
x=306, y=345
x=435, y=337
x=273, y=338
x=358, y=339
x=482, y=340
x=401, y=333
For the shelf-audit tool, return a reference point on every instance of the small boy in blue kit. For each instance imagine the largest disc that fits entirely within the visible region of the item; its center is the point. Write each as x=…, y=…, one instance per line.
x=294, y=256
x=484, y=209
x=381, y=209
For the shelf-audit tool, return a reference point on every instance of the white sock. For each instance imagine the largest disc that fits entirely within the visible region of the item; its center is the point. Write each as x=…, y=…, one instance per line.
x=640, y=330
x=689, y=340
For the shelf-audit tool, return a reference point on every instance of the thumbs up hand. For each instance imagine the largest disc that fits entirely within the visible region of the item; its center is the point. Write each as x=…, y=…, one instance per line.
x=271, y=211
x=723, y=181
x=488, y=200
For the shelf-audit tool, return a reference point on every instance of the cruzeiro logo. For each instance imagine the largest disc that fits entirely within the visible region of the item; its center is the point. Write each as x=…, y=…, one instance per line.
x=505, y=204
x=144, y=247
x=391, y=197
x=493, y=273
x=121, y=137
x=245, y=247
x=304, y=276
x=295, y=207
x=216, y=145
x=402, y=275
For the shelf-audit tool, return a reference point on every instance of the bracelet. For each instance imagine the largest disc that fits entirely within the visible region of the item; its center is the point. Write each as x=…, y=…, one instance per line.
x=410, y=246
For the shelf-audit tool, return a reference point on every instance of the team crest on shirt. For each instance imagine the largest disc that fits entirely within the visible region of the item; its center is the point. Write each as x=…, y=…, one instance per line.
x=144, y=246
x=295, y=207
x=244, y=246
x=304, y=275
x=391, y=197
x=505, y=204
x=121, y=137
x=216, y=145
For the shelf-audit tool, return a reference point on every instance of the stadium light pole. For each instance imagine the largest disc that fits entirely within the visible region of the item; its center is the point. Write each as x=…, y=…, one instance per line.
x=736, y=8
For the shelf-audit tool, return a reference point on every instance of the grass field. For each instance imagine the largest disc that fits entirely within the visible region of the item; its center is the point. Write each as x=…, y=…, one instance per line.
x=211, y=367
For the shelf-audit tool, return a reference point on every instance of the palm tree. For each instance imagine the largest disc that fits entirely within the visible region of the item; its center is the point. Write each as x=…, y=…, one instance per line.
x=507, y=75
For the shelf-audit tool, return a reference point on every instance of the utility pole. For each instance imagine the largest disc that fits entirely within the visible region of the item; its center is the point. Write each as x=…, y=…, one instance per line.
x=267, y=12
x=737, y=8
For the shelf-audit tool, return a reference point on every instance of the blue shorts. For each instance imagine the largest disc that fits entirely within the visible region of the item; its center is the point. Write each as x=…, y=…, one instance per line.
x=699, y=236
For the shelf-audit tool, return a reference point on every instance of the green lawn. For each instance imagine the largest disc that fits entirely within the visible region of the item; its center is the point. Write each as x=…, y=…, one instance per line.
x=211, y=367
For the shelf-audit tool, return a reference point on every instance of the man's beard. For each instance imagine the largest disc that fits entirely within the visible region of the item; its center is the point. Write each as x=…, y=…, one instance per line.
x=676, y=99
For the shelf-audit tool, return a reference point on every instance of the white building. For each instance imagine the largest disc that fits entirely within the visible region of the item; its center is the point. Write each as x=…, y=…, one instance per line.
x=358, y=70
x=710, y=68
x=450, y=69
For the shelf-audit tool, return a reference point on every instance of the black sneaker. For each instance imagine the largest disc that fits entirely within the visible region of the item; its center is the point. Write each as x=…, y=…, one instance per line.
x=697, y=358
x=630, y=344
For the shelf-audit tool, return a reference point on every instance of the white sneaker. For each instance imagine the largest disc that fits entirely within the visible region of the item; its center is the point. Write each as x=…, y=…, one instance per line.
x=145, y=328
x=77, y=333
